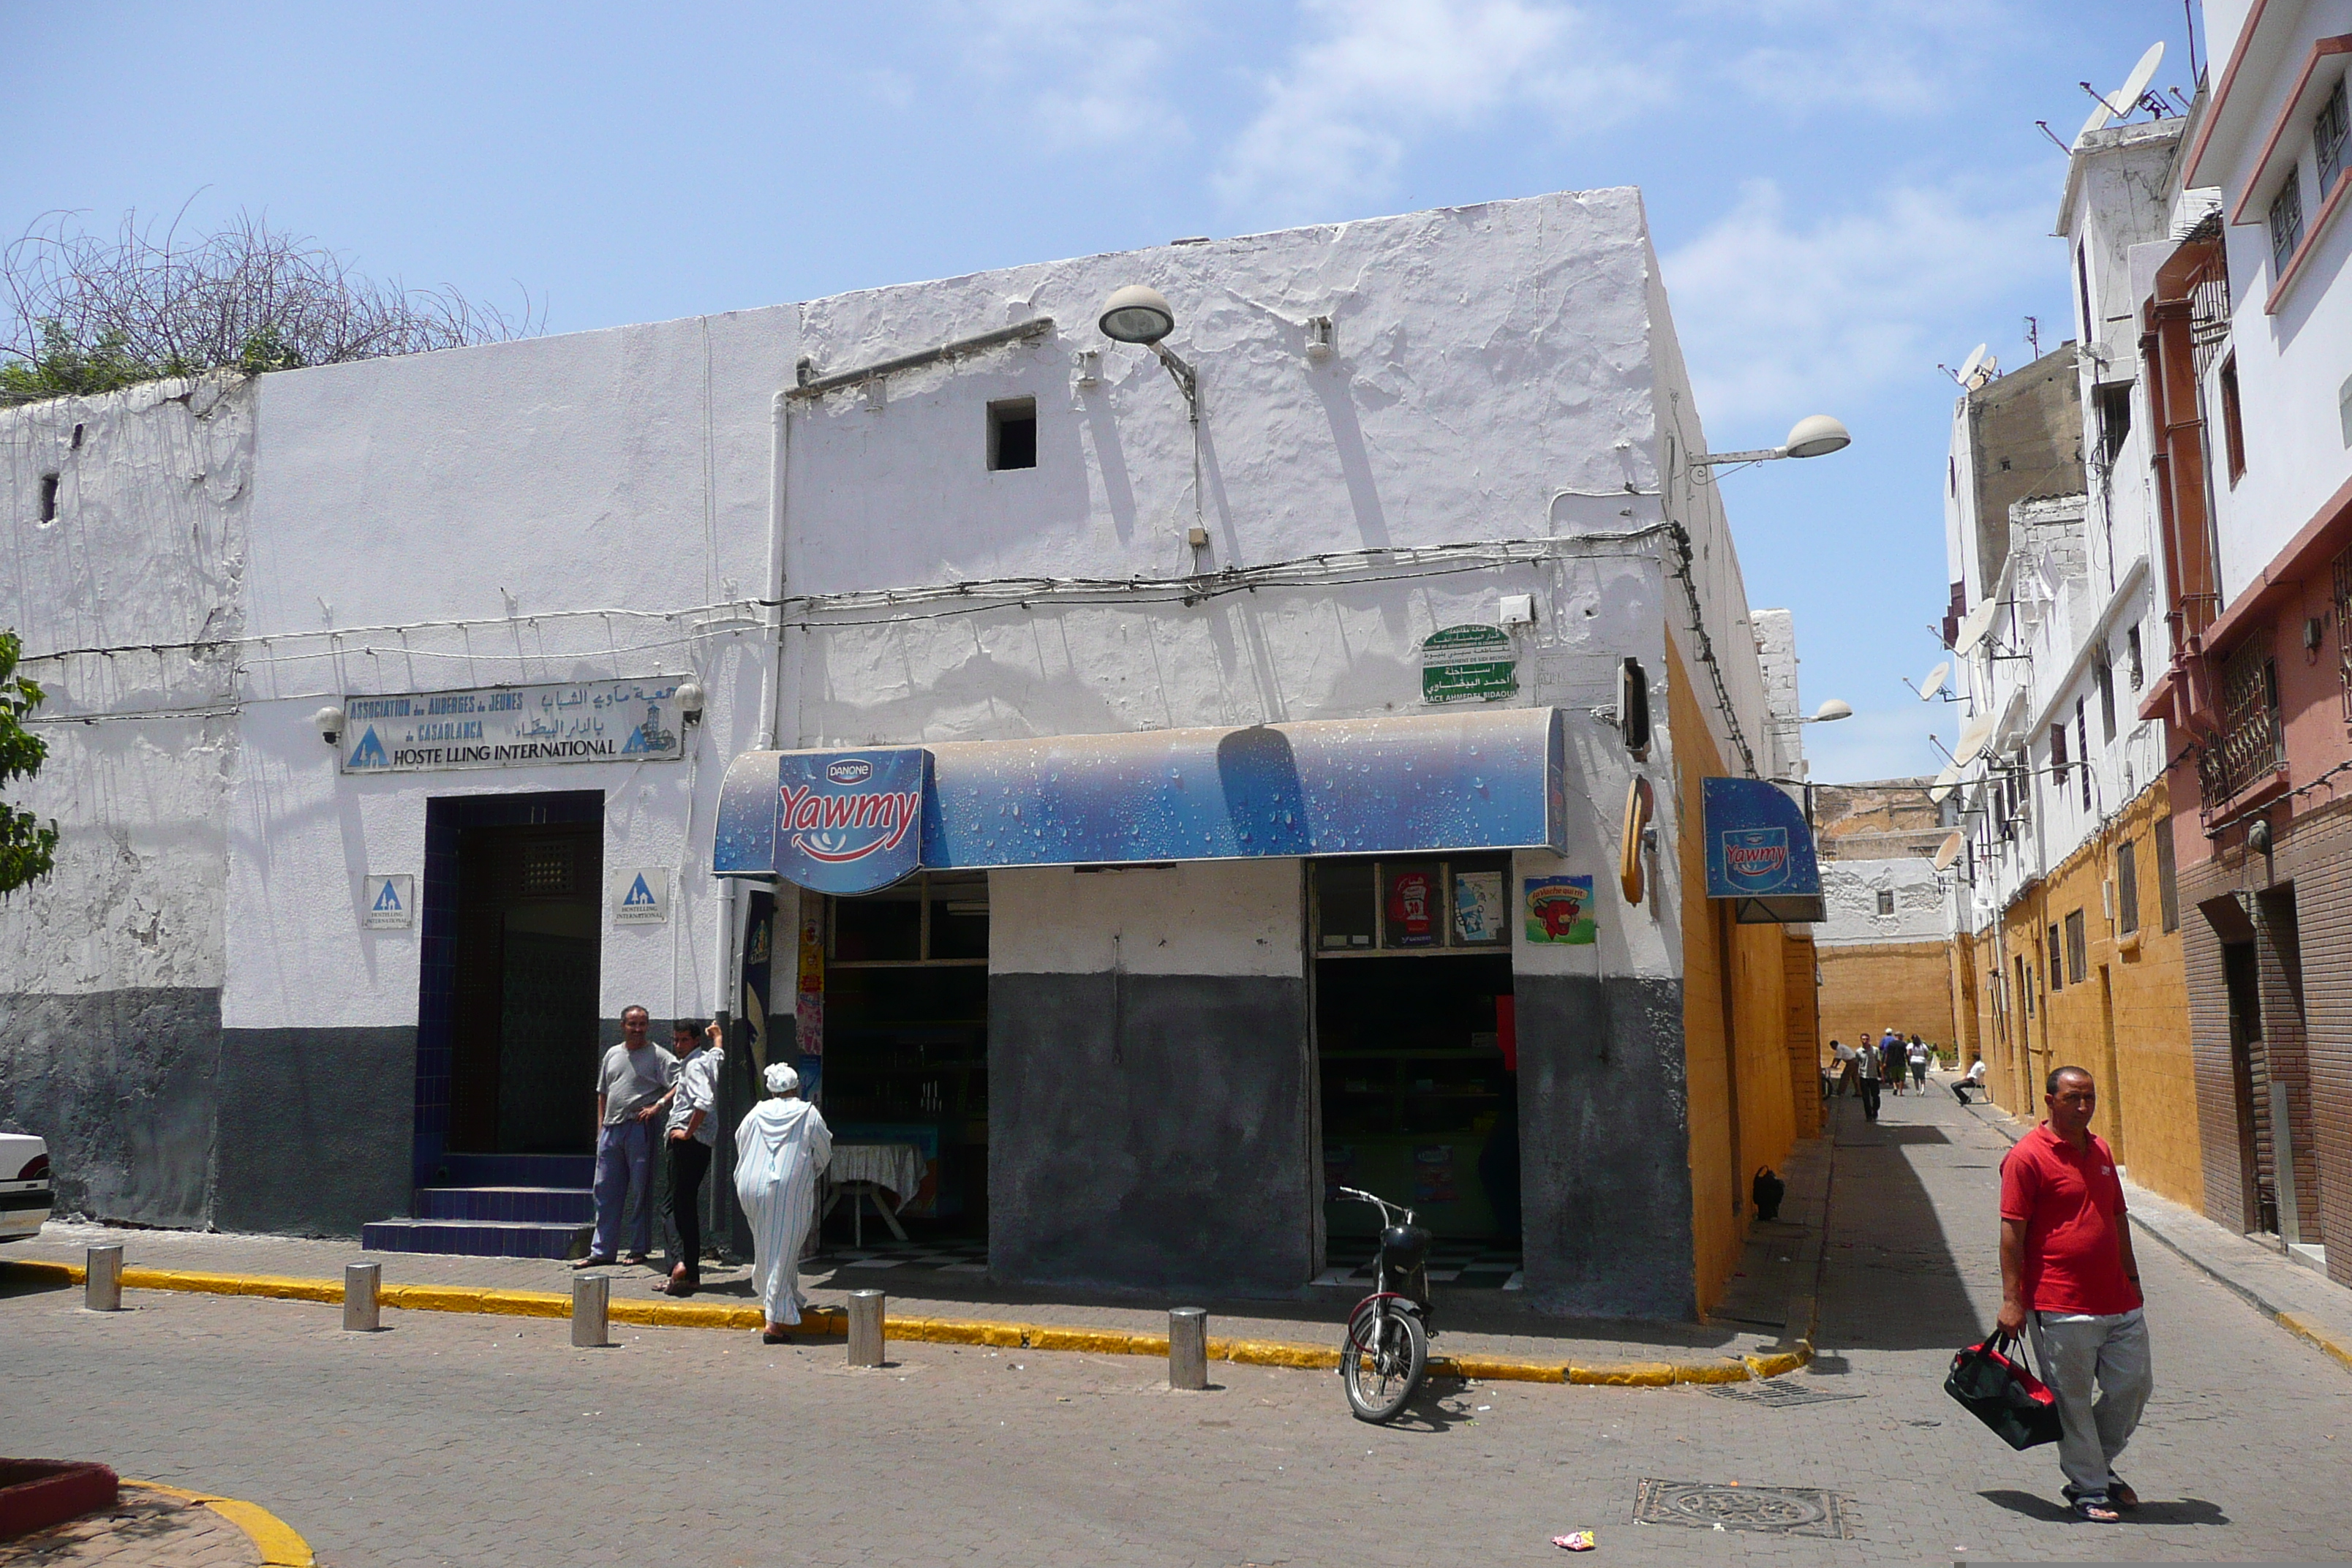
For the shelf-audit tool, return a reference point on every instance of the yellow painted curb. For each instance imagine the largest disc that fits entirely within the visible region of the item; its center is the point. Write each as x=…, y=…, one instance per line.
x=2302, y=1328
x=832, y=1322
x=280, y=1545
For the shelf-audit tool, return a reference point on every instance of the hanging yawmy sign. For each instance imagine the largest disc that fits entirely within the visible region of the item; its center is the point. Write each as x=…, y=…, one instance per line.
x=513, y=726
x=1462, y=663
x=1759, y=852
x=850, y=822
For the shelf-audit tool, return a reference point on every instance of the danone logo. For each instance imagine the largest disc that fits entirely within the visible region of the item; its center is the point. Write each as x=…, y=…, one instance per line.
x=849, y=824
x=1756, y=858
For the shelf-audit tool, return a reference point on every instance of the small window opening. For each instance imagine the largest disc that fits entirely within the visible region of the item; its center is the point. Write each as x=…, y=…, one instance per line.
x=2286, y=223
x=2058, y=755
x=2115, y=421
x=1886, y=903
x=48, y=498
x=2104, y=674
x=2131, y=646
x=2233, y=429
x=2328, y=138
x=1013, y=434
x=2127, y=887
x=77, y=438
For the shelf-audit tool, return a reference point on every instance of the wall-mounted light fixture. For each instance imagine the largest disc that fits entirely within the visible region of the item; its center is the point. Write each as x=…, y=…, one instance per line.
x=689, y=700
x=1814, y=436
x=1141, y=314
x=329, y=723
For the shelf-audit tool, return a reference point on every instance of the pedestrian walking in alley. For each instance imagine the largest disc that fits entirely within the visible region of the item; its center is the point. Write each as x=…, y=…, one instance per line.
x=1868, y=1063
x=693, y=1129
x=630, y=1084
x=1849, y=1066
x=1919, y=1055
x=778, y=1149
x=2068, y=1272
x=1890, y=1050
x=1972, y=1081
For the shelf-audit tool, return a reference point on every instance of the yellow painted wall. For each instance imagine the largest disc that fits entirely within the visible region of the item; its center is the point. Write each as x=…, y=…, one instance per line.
x=1753, y=1071
x=1873, y=985
x=2148, y=1091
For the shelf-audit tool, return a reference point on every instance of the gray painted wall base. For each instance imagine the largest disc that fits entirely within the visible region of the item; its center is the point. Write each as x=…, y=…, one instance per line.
x=1149, y=1132
x=1605, y=1146
x=121, y=1083
x=314, y=1129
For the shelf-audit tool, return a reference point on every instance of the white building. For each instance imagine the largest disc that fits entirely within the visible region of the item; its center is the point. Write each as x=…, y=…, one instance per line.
x=1134, y=1017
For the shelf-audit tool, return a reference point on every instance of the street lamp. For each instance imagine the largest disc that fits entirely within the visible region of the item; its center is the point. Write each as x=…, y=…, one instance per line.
x=1829, y=712
x=1141, y=314
x=1814, y=436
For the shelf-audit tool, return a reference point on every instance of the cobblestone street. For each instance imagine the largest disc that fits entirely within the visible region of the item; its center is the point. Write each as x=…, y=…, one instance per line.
x=487, y=1441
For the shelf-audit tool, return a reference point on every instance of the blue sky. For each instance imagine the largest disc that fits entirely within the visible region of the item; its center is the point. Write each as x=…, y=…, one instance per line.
x=1842, y=192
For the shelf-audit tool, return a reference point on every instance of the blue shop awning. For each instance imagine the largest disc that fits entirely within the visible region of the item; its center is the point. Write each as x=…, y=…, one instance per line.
x=1759, y=852
x=854, y=821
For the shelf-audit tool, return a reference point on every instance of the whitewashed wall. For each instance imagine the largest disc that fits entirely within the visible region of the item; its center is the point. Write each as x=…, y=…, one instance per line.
x=1851, y=889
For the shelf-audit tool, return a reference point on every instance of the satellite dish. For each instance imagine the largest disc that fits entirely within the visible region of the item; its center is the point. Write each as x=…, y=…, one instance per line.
x=1945, y=783
x=1973, y=739
x=1933, y=681
x=2127, y=99
x=1991, y=366
x=2100, y=115
x=1973, y=626
x=1976, y=358
x=1948, y=852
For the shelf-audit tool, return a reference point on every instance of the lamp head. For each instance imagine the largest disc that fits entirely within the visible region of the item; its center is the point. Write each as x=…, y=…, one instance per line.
x=689, y=700
x=329, y=723
x=1816, y=436
x=1832, y=710
x=1137, y=314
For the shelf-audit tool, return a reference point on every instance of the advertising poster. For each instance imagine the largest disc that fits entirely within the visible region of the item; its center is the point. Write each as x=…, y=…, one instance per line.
x=1560, y=910
x=1412, y=908
x=808, y=1003
x=1478, y=908
x=1432, y=1174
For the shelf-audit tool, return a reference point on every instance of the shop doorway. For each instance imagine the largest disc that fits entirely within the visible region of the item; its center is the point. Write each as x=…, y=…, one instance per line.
x=521, y=898
x=1416, y=1052
x=906, y=1047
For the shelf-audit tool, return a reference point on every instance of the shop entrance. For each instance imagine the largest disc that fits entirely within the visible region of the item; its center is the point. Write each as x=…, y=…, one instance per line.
x=906, y=1047
x=522, y=974
x=1416, y=1052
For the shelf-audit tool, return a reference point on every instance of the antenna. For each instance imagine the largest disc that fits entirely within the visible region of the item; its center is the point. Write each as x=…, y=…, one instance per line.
x=2033, y=335
x=2053, y=136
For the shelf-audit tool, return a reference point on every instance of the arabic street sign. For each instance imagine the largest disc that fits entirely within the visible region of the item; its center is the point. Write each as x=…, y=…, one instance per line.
x=1464, y=662
x=513, y=726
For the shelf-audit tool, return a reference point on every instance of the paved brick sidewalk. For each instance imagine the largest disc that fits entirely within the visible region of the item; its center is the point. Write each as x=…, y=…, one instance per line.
x=144, y=1528
x=488, y=1442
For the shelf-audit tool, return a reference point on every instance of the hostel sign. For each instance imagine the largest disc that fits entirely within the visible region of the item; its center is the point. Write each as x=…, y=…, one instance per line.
x=513, y=726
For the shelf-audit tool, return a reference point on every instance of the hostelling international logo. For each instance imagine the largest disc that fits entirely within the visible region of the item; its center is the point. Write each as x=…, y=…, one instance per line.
x=1756, y=858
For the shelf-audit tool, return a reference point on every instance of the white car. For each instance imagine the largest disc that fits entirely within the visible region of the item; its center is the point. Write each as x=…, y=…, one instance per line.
x=25, y=1191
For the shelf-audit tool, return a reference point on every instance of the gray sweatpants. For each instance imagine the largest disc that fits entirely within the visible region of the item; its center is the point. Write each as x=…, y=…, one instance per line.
x=2078, y=1355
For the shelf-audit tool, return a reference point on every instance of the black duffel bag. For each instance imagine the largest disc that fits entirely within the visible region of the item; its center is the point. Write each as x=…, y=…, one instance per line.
x=2004, y=1393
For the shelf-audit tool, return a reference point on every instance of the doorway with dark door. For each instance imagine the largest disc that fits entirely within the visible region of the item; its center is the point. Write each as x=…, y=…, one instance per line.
x=513, y=904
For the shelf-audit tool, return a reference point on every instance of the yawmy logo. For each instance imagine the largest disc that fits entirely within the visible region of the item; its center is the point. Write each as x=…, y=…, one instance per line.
x=841, y=828
x=1756, y=858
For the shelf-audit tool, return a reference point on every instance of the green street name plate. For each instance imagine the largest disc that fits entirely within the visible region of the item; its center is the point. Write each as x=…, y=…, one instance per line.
x=1465, y=663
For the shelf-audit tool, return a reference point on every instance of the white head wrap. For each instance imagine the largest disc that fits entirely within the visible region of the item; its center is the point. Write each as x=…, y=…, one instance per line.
x=781, y=1078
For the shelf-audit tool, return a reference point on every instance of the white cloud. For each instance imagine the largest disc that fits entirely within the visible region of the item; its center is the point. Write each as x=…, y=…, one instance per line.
x=1778, y=310
x=1904, y=59
x=1093, y=70
x=1341, y=116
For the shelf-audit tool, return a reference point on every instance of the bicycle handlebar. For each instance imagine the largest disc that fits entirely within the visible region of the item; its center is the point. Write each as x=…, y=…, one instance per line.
x=1386, y=1207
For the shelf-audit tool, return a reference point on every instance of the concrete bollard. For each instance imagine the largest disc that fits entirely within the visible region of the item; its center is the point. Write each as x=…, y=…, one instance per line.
x=1188, y=1347
x=362, y=1298
x=102, y=1283
x=592, y=1301
x=866, y=1328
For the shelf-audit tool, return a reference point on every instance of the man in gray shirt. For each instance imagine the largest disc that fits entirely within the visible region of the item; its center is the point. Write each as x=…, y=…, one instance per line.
x=630, y=1084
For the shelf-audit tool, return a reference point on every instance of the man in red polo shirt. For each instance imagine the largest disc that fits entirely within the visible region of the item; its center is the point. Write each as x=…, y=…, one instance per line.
x=2066, y=1267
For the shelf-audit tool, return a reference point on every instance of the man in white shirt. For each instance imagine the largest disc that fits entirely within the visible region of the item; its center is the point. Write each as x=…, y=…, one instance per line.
x=630, y=1083
x=693, y=1132
x=1973, y=1080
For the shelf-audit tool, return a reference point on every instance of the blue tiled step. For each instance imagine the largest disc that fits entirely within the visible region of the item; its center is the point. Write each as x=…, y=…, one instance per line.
x=541, y=1206
x=512, y=1171
x=474, y=1237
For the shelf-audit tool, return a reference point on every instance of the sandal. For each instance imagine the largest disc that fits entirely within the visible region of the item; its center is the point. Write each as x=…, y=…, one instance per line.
x=2095, y=1510
x=2120, y=1495
x=774, y=1337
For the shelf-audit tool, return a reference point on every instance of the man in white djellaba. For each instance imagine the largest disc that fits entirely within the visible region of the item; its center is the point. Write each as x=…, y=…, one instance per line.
x=778, y=1149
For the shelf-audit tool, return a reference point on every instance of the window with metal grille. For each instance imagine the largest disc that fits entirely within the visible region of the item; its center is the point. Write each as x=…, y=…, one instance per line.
x=2052, y=961
x=2078, y=955
x=2286, y=221
x=547, y=868
x=2168, y=886
x=2328, y=139
x=2233, y=421
x=2250, y=744
x=2128, y=886
x=2083, y=749
x=2343, y=642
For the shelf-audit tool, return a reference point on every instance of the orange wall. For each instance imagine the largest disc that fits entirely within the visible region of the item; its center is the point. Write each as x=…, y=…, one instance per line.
x=1750, y=1071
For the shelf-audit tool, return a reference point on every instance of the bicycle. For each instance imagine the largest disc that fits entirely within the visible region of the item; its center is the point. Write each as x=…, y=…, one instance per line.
x=1387, y=1349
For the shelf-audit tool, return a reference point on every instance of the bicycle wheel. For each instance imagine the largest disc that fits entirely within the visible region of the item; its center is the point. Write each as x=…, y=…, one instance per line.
x=1382, y=1362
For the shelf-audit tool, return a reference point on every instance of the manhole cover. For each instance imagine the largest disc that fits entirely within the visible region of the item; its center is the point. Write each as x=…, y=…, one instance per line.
x=1775, y=1392
x=1769, y=1510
